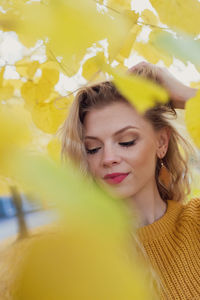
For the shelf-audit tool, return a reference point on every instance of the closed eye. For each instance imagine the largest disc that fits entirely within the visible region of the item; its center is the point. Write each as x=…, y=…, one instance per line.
x=92, y=151
x=127, y=144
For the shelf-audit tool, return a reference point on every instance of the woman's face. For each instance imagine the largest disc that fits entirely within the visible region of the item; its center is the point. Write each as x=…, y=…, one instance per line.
x=122, y=148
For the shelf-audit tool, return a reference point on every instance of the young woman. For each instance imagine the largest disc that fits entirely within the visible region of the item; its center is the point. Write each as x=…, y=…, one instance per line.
x=139, y=158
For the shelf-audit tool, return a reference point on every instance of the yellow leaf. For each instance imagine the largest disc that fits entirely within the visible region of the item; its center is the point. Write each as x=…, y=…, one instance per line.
x=16, y=83
x=6, y=92
x=141, y=93
x=149, y=17
x=180, y=14
x=192, y=118
x=27, y=40
x=32, y=68
x=119, y=4
x=27, y=69
x=47, y=117
x=51, y=62
x=91, y=66
x=61, y=102
x=50, y=75
x=14, y=135
x=1, y=76
x=54, y=149
x=43, y=90
x=128, y=45
x=28, y=92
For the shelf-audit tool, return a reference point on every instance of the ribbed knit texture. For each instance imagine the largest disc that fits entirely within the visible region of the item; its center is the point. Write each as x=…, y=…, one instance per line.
x=173, y=246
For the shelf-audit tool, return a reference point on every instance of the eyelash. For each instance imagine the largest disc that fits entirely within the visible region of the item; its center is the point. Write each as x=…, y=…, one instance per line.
x=125, y=144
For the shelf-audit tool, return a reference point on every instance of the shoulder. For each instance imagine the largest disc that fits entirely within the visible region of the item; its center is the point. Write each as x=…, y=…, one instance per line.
x=193, y=205
x=191, y=211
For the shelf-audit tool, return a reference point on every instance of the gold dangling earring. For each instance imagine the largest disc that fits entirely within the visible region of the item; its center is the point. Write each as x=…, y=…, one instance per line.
x=165, y=176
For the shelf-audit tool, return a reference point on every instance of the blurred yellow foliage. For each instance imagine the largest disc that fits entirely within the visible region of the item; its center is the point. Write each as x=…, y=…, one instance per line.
x=141, y=93
x=119, y=4
x=35, y=92
x=78, y=21
x=26, y=68
x=149, y=17
x=14, y=135
x=48, y=117
x=91, y=68
x=6, y=89
x=129, y=43
x=192, y=118
x=107, y=267
x=179, y=14
x=56, y=264
x=151, y=53
x=54, y=149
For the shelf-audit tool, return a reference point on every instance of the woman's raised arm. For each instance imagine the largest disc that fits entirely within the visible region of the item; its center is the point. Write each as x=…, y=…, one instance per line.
x=178, y=92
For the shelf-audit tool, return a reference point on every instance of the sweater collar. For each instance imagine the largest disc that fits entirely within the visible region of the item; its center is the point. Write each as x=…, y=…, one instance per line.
x=163, y=225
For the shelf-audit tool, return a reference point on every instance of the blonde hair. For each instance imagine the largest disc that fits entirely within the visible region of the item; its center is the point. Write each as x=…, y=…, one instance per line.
x=160, y=116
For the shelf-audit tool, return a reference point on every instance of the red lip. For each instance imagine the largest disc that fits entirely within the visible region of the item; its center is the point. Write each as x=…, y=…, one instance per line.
x=115, y=178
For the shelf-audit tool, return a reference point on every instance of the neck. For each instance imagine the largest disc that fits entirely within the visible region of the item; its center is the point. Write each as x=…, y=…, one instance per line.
x=148, y=205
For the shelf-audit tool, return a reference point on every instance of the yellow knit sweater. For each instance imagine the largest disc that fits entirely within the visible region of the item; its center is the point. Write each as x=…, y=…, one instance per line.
x=173, y=246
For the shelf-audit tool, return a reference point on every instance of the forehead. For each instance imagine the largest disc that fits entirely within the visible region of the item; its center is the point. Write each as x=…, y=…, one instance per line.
x=112, y=118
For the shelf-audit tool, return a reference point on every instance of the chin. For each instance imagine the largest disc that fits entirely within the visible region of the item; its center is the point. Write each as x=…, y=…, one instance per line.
x=122, y=192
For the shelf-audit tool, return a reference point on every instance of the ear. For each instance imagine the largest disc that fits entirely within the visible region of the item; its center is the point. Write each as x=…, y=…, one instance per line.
x=163, y=138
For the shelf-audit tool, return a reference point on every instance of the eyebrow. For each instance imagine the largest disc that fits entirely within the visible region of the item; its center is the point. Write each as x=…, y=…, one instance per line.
x=116, y=133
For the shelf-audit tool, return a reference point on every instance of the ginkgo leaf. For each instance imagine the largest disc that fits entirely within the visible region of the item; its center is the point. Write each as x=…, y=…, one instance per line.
x=149, y=17
x=70, y=68
x=32, y=68
x=26, y=68
x=28, y=92
x=179, y=14
x=192, y=119
x=43, y=90
x=51, y=62
x=16, y=83
x=6, y=92
x=129, y=43
x=50, y=75
x=91, y=66
x=47, y=117
x=141, y=93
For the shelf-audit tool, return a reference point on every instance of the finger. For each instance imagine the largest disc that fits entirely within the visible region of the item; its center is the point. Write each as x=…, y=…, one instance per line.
x=138, y=67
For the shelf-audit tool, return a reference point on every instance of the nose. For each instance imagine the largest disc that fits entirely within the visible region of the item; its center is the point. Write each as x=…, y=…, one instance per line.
x=110, y=156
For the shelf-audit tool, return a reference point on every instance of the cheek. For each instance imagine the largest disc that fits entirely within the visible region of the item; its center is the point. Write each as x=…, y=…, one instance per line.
x=93, y=163
x=143, y=157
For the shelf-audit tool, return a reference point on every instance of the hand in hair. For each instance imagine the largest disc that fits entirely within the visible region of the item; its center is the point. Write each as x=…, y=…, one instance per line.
x=178, y=92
